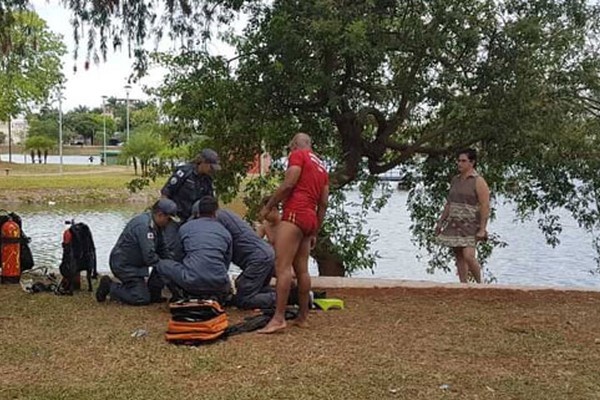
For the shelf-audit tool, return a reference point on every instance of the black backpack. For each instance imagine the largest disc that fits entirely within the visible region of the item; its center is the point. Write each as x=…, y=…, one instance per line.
x=26, y=257
x=79, y=254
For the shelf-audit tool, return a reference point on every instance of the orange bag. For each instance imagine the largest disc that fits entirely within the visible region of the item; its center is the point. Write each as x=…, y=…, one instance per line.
x=196, y=322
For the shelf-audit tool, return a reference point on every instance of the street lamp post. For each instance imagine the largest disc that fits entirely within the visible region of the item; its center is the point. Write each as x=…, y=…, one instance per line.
x=104, y=123
x=127, y=88
x=60, y=132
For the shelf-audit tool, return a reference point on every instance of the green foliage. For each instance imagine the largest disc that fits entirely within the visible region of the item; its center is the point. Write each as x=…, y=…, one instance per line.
x=83, y=122
x=39, y=143
x=2, y=137
x=386, y=84
x=43, y=125
x=30, y=63
x=390, y=83
x=144, y=145
x=255, y=189
x=203, y=107
x=147, y=115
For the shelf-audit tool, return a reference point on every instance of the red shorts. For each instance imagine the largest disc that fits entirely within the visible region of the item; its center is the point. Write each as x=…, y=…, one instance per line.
x=305, y=220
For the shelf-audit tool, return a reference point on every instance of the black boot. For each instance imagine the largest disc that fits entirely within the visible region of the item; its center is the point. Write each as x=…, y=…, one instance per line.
x=103, y=289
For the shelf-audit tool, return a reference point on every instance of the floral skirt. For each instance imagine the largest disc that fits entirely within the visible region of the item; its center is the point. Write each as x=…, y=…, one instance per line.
x=461, y=226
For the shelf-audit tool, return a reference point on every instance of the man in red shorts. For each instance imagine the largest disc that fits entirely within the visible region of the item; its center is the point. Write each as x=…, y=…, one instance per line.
x=304, y=191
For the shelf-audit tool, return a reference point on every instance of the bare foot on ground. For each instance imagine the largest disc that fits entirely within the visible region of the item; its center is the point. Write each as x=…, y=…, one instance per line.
x=272, y=327
x=301, y=323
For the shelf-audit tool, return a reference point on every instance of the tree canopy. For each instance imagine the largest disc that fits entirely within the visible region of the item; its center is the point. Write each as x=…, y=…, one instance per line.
x=30, y=63
x=384, y=84
x=381, y=84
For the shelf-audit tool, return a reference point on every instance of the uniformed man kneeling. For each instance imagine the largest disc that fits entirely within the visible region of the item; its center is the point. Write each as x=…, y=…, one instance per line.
x=140, y=246
x=207, y=252
x=255, y=258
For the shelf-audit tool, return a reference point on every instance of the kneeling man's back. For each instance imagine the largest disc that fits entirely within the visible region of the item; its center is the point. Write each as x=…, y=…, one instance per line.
x=207, y=246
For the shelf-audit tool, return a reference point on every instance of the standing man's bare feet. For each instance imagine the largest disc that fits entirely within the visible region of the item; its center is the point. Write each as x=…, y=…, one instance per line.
x=272, y=327
x=301, y=323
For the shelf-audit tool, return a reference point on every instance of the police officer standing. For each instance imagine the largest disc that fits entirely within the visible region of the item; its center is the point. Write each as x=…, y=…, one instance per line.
x=140, y=246
x=192, y=181
x=188, y=184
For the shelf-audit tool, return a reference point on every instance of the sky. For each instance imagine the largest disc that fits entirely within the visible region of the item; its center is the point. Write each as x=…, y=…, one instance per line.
x=106, y=78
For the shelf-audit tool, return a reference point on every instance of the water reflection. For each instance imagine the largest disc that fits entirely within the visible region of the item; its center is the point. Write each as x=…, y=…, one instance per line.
x=527, y=260
x=45, y=225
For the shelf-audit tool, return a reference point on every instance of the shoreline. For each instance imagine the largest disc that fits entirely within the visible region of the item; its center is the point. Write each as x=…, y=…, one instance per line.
x=77, y=184
x=338, y=282
x=76, y=196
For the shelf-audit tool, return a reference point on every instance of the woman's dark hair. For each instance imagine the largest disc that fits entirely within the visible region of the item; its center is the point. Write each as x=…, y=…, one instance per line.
x=470, y=153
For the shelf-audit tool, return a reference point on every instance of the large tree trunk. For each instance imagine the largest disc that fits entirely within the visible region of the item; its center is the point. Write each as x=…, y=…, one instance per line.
x=329, y=263
x=350, y=127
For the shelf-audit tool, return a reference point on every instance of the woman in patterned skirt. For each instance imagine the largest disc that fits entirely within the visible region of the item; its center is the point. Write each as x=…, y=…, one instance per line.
x=464, y=219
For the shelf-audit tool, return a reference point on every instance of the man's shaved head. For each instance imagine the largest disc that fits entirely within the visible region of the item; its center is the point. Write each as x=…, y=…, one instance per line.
x=301, y=141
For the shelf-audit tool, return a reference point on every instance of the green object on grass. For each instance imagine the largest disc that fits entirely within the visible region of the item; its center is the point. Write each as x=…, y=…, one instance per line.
x=326, y=304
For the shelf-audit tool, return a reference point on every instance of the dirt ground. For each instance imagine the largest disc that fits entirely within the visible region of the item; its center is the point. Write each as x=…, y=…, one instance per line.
x=386, y=344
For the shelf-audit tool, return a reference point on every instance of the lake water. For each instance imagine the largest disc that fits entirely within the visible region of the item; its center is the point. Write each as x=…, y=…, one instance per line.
x=526, y=261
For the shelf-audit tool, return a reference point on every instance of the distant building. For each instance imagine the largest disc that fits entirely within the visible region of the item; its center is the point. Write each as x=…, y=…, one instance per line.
x=260, y=165
x=19, y=130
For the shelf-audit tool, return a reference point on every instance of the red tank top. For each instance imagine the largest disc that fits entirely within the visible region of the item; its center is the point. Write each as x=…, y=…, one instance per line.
x=313, y=178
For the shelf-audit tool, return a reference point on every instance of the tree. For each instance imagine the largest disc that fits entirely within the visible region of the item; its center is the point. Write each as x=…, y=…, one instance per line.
x=41, y=144
x=383, y=84
x=99, y=122
x=81, y=121
x=29, y=63
x=44, y=123
x=144, y=114
x=144, y=145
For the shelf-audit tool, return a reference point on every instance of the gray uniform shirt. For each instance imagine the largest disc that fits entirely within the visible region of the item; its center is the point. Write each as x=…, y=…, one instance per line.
x=248, y=247
x=207, y=248
x=137, y=248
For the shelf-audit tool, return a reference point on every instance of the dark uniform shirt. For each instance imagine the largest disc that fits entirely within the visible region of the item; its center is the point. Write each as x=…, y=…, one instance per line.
x=207, y=247
x=185, y=187
x=248, y=247
x=139, y=247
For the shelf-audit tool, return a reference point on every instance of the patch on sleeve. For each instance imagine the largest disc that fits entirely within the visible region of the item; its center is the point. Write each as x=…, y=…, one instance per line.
x=180, y=173
x=173, y=181
x=150, y=235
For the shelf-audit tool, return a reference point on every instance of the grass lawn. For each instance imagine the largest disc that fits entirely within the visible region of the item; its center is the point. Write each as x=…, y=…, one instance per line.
x=387, y=344
x=78, y=183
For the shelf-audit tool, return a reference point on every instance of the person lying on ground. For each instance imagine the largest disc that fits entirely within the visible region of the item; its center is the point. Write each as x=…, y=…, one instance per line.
x=140, y=246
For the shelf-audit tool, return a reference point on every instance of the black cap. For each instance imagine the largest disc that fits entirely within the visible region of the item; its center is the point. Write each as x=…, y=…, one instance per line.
x=211, y=157
x=206, y=205
x=168, y=207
